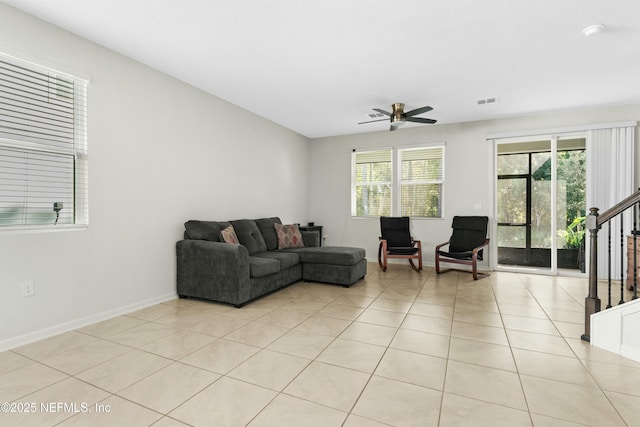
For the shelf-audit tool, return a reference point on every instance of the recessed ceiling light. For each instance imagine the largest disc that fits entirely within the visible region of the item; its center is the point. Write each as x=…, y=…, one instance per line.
x=592, y=30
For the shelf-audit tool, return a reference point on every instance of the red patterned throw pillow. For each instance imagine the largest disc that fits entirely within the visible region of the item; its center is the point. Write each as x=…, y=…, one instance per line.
x=229, y=235
x=289, y=236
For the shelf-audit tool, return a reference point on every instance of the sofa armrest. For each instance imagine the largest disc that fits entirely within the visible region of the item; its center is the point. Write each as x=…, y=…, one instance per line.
x=311, y=239
x=213, y=270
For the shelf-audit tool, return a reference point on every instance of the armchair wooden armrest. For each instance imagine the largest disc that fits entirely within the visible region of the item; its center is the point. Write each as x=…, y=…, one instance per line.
x=478, y=248
x=442, y=244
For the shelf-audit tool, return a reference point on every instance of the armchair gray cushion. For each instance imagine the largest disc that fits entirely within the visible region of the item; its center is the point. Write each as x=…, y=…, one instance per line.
x=469, y=232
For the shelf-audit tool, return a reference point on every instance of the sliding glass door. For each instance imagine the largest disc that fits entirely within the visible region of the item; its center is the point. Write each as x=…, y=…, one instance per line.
x=571, y=197
x=540, y=203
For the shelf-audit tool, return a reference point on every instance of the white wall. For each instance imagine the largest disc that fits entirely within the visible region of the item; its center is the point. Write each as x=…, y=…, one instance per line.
x=160, y=152
x=468, y=173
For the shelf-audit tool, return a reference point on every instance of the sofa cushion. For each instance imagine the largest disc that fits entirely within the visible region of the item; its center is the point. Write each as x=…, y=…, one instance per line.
x=310, y=238
x=249, y=235
x=261, y=266
x=204, y=230
x=265, y=225
x=287, y=259
x=336, y=255
x=228, y=235
x=288, y=236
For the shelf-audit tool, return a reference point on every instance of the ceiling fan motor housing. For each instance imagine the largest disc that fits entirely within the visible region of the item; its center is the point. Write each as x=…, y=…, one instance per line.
x=397, y=116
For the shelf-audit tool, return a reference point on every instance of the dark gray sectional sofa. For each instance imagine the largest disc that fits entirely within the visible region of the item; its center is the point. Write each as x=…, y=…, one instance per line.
x=211, y=269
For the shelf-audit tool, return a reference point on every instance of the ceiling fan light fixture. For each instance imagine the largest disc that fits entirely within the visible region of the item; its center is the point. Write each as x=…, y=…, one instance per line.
x=398, y=119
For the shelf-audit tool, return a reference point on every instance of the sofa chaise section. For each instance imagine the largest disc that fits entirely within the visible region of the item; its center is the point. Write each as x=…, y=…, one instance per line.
x=333, y=264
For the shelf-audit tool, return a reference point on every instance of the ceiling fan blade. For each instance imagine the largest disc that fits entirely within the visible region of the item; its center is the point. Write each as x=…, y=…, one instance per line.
x=394, y=126
x=371, y=121
x=382, y=111
x=420, y=120
x=418, y=111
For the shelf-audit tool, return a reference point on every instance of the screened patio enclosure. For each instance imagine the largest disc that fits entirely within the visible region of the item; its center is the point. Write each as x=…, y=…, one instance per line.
x=541, y=203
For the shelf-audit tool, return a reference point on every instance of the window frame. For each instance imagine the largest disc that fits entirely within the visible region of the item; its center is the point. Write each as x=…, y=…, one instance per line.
x=355, y=185
x=396, y=180
x=401, y=182
x=25, y=141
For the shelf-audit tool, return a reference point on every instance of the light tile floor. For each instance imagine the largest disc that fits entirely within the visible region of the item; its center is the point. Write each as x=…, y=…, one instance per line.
x=398, y=348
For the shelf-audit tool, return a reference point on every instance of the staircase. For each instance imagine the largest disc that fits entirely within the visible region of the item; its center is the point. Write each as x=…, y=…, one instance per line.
x=612, y=329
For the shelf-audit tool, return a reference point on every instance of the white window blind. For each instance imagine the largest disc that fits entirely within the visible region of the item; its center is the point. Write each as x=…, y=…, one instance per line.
x=610, y=178
x=372, y=183
x=421, y=181
x=43, y=146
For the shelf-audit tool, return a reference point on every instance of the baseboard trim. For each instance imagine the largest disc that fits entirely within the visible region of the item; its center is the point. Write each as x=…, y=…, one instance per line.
x=41, y=334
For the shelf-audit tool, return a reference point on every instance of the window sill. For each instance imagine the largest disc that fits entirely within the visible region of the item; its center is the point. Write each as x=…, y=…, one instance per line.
x=417, y=218
x=42, y=228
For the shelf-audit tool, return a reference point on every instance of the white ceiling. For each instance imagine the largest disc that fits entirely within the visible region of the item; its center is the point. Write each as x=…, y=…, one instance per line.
x=318, y=67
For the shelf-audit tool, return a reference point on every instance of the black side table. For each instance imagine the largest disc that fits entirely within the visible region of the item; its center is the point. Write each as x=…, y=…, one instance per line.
x=317, y=228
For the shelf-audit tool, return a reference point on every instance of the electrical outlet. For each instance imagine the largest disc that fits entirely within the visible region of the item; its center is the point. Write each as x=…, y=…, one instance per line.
x=28, y=288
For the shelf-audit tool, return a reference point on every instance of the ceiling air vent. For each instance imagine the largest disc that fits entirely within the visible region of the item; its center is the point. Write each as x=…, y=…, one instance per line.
x=484, y=101
x=375, y=115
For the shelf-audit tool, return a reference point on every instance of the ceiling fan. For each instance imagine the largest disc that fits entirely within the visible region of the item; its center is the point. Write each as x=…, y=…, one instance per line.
x=398, y=117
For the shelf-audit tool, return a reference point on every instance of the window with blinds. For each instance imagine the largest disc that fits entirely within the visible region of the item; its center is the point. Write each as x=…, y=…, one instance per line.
x=413, y=187
x=421, y=181
x=372, y=183
x=43, y=146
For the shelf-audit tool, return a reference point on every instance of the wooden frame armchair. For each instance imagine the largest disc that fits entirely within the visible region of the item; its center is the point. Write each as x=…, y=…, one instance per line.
x=465, y=244
x=396, y=242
